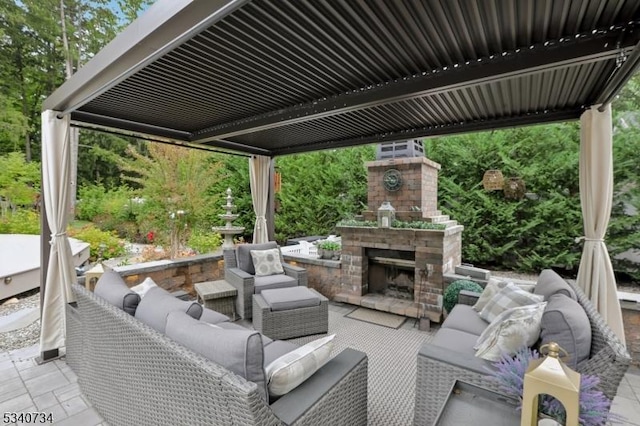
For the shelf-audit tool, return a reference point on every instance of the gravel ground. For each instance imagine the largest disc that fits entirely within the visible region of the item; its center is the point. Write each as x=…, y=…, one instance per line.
x=25, y=336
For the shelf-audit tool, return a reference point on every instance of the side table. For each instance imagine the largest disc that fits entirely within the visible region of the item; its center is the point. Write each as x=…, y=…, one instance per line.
x=218, y=295
x=469, y=404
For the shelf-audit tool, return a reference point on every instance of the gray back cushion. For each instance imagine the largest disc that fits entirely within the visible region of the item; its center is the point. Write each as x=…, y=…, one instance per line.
x=158, y=303
x=239, y=351
x=550, y=283
x=114, y=290
x=243, y=255
x=566, y=323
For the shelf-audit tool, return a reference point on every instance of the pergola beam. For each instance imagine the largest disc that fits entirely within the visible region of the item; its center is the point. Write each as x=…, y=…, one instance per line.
x=524, y=62
x=476, y=126
x=161, y=29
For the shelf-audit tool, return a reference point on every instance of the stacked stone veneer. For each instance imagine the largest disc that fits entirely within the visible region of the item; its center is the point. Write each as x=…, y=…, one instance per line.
x=437, y=252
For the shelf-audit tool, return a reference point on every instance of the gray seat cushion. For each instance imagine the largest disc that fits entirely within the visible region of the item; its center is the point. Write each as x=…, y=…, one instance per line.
x=566, y=323
x=240, y=351
x=465, y=318
x=114, y=290
x=283, y=299
x=243, y=255
x=276, y=348
x=273, y=281
x=550, y=283
x=455, y=340
x=158, y=303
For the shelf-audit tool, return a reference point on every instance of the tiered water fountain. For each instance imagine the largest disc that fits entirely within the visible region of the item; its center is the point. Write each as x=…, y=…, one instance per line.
x=228, y=230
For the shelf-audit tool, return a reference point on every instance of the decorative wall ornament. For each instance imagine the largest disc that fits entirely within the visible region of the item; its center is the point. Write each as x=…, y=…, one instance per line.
x=493, y=180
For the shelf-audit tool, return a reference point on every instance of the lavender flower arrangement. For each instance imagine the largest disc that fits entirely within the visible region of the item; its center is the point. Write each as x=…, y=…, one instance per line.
x=594, y=405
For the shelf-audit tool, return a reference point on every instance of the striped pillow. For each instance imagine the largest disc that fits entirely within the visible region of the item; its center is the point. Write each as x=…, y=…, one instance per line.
x=510, y=296
x=292, y=369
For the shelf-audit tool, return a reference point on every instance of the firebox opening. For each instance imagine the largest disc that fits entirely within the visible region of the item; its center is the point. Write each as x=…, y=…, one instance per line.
x=391, y=273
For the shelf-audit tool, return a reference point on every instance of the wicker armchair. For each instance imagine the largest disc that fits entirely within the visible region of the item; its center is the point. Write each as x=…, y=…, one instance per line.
x=438, y=368
x=238, y=271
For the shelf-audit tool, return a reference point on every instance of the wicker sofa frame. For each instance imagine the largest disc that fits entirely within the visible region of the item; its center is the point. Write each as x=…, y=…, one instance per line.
x=134, y=375
x=438, y=368
x=244, y=282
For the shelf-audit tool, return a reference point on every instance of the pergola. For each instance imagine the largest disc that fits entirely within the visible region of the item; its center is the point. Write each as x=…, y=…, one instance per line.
x=275, y=77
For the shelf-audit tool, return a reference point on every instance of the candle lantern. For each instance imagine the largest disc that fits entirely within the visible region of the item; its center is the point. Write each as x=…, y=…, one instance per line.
x=386, y=215
x=550, y=376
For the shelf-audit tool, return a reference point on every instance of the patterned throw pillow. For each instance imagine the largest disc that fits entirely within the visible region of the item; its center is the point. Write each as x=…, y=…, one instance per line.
x=510, y=296
x=267, y=262
x=511, y=330
x=293, y=368
x=490, y=290
x=144, y=286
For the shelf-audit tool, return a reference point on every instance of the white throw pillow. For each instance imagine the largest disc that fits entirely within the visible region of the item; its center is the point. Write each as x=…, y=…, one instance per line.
x=292, y=369
x=267, y=262
x=491, y=289
x=507, y=298
x=144, y=286
x=511, y=330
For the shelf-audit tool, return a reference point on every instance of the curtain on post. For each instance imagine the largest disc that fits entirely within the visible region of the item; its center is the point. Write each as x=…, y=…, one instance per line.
x=259, y=167
x=595, y=275
x=56, y=158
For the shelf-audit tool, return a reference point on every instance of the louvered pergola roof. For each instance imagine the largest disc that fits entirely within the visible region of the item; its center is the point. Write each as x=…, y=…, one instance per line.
x=274, y=77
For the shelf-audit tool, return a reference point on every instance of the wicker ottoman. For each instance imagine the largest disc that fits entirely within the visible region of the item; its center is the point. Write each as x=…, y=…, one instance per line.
x=286, y=313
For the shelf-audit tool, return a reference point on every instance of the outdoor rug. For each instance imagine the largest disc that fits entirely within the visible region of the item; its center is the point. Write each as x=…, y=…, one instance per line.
x=392, y=364
x=377, y=317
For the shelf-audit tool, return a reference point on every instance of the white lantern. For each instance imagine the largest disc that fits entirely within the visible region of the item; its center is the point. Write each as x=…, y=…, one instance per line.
x=386, y=215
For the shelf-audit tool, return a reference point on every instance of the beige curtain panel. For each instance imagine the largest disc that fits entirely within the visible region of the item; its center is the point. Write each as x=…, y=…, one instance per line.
x=595, y=275
x=259, y=167
x=56, y=189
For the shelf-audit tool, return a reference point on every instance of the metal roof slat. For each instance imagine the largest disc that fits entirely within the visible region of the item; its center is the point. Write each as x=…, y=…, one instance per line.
x=342, y=65
x=375, y=44
x=233, y=70
x=310, y=43
x=258, y=48
x=460, y=20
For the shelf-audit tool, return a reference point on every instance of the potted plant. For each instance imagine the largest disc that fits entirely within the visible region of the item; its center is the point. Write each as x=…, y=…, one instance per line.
x=329, y=250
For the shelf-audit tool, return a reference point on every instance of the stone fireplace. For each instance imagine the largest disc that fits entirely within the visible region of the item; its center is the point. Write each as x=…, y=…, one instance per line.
x=400, y=270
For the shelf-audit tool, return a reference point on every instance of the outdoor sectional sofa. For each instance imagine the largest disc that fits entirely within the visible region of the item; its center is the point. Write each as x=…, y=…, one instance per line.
x=134, y=374
x=450, y=356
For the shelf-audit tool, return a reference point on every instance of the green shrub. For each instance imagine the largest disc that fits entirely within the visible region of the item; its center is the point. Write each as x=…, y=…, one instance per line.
x=329, y=245
x=418, y=224
x=450, y=297
x=205, y=242
x=21, y=222
x=103, y=244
